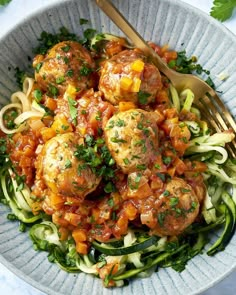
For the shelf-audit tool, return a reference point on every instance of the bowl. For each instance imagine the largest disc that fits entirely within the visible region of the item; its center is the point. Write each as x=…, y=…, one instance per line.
x=164, y=22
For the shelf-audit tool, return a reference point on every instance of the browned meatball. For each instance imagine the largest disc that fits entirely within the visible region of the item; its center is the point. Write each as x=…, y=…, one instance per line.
x=178, y=208
x=61, y=169
x=132, y=138
x=65, y=63
x=127, y=76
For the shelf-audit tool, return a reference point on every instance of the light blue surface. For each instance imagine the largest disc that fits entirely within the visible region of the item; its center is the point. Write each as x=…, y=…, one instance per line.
x=9, y=16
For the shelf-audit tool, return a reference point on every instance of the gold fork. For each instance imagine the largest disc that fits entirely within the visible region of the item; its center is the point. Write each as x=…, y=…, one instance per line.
x=206, y=99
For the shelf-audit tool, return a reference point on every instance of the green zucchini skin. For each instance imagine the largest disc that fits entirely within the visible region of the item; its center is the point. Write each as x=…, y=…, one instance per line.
x=229, y=209
x=155, y=262
x=108, y=250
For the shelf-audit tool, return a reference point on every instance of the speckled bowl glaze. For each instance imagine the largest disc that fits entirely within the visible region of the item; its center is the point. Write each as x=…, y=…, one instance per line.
x=165, y=22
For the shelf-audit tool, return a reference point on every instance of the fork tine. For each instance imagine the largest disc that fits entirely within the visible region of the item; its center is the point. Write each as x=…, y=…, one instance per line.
x=222, y=109
x=208, y=115
x=214, y=111
x=211, y=114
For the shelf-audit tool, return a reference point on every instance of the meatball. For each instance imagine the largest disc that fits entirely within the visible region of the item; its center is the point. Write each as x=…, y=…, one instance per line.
x=178, y=207
x=132, y=138
x=61, y=169
x=127, y=76
x=65, y=63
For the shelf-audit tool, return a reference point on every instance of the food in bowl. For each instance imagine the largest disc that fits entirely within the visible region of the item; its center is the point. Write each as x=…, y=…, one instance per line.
x=113, y=170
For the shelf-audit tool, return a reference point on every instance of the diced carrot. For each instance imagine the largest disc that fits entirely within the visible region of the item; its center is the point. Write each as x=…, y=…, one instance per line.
x=142, y=192
x=63, y=233
x=82, y=248
x=47, y=133
x=121, y=225
x=94, y=120
x=159, y=165
x=180, y=166
x=160, y=117
x=61, y=125
x=130, y=211
x=50, y=103
x=170, y=55
x=199, y=166
x=126, y=105
x=163, y=98
x=72, y=218
x=96, y=214
x=36, y=207
x=57, y=201
x=114, y=47
x=79, y=235
x=170, y=113
x=59, y=219
x=171, y=171
x=36, y=125
x=164, y=48
x=156, y=183
x=72, y=201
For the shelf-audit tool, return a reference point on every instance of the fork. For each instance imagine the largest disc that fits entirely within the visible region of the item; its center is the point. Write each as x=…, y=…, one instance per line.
x=212, y=108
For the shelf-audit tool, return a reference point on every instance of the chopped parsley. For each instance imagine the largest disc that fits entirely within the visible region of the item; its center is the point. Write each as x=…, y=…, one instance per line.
x=73, y=109
x=68, y=164
x=143, y=97
x=20, y=76
x=60, y=79
x=85, y=71
x=48, y=40
x=53, y=90
x=66, y=48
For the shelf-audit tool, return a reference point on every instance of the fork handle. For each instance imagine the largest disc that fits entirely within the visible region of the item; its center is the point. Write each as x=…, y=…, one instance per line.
x=113, y=13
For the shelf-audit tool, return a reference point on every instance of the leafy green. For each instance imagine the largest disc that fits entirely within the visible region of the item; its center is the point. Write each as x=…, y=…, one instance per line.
x=98, y=158
x=4, y=2
x=73, y=109
x=20, y=76
x=186, y=65
x=48, y=40
x=222, y=9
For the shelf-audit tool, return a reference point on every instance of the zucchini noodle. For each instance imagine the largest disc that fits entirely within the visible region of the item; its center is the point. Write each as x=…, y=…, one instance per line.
x=22, y=102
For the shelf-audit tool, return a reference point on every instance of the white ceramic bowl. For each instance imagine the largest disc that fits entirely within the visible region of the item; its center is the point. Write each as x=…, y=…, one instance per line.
x=165, y=22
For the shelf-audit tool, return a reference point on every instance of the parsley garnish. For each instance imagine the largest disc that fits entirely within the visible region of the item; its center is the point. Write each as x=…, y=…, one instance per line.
x=53, y=91
x=223, y=10
x=20, y=76
x=143, y=97
x=85, y=71
x=68, y=164
x=48, y=40
x=83, y=21
x=73, y=110
x=4, y=2
x=38, y=95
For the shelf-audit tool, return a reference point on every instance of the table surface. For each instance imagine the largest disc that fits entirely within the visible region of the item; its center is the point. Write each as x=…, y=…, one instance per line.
x=11, y=15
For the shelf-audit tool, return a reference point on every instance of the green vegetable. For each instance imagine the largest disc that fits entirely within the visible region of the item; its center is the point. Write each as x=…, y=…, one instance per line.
x=18, y=201
x=20, y=76
x=108, y=250
x=222, y=9
x=4, y=2
x=48, y=40
x=152, y=262
x=73, y=109
x=229, y=209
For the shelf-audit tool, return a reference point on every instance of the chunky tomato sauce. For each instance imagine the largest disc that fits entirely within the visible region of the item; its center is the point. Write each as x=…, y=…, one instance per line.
x=160, y=195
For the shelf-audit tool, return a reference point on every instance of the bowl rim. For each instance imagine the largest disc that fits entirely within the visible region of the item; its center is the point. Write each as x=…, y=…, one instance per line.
x=26, y=277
